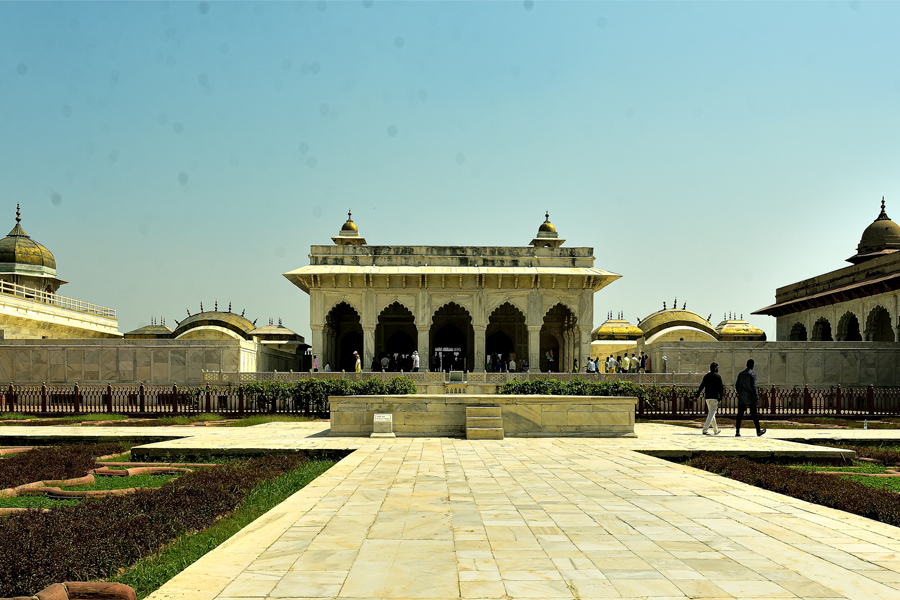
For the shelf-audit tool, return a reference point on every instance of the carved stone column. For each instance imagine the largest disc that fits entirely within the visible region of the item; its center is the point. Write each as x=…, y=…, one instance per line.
x=318, y=347
x=478, y=367
x=424, y=351
x=368, y=347
x=534, y=349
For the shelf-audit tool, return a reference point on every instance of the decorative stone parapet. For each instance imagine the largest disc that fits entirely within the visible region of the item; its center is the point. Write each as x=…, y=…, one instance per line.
x=425, y=415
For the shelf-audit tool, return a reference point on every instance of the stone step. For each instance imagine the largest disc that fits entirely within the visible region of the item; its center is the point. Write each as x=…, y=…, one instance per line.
x=482, y=422
x=484, y=433
x=482, y=411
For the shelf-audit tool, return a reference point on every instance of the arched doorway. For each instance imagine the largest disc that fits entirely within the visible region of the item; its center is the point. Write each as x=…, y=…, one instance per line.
x=506, y=337
x=848, y=329
x=343, y=334
x=559, y=339
x=395, y=337
x=452, y=339
x=822, y=331
x=878, y=325
x=798, y=333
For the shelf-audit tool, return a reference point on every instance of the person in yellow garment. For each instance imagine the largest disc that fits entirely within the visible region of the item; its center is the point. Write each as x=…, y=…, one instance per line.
x=358, y=362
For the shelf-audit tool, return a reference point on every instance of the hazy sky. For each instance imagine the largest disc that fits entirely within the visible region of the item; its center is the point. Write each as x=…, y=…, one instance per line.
x=178, y=152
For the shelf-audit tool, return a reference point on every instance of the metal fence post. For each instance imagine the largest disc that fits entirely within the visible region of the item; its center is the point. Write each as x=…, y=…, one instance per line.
x=109, y=407
x=208, y=399
x=241, y=399
x=674, y=401
x=11, y=396
x=837, y=401
x=773, y=399
x=175, y=398
x=807, y=400
x=141, y=398
x=43, y=397
x=870, y=399
x=77, y=398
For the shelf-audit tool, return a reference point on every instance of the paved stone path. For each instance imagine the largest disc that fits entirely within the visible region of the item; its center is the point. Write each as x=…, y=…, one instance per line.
x=531, y=518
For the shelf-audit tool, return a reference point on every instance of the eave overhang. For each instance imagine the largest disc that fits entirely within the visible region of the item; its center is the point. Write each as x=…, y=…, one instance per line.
x=862, y=289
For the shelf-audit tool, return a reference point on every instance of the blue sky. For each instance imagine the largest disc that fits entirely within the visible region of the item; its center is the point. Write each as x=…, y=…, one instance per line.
x=173, y=153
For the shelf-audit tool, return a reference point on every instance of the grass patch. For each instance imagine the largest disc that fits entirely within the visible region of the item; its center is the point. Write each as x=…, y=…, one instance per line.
x=15, y=416
x=260, y=419
x=36, y=502
x=124, y=457
x=121, y=483
x=148, y=574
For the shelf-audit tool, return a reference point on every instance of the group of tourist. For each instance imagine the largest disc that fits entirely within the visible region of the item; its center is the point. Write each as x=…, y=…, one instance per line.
x=397, y=362
x=495, y=363
x=620, y=364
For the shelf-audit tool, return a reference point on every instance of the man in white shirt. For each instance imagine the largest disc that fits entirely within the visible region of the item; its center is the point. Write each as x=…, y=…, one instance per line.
x=415, y=358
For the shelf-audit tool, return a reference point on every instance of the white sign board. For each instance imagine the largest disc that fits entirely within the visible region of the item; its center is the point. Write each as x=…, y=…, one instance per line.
x=382, y=418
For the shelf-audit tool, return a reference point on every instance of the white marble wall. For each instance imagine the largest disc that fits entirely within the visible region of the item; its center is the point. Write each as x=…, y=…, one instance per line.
x=115, y=361
x=787, y=363
x=861, y=307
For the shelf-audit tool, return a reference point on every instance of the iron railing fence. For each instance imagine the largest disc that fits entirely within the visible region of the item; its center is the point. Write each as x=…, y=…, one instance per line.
x=661, y=401
x=150, y=401
x=680, y=402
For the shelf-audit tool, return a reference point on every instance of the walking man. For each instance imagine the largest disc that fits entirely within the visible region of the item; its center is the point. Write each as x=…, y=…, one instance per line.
x=415, y=360
x=358, y=366
x=748, y=395
x=712, y=383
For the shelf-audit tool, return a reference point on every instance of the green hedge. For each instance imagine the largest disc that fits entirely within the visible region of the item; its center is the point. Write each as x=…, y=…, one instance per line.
x=578, y=387
x=295, y=395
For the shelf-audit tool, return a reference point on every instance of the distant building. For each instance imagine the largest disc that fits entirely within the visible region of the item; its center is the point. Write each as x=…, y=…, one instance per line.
x=853, y=304
x=30, y=308
x=454, y=305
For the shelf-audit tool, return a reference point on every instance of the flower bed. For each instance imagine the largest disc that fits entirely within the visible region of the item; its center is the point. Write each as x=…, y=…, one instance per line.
x=99, y=537
x=57, y=462
x=838, y=492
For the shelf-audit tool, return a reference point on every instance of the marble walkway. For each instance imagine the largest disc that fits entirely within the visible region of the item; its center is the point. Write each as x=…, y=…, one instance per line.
x=530, y=518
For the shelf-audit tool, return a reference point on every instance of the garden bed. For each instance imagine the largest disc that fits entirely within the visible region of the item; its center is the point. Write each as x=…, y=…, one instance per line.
x=144, y=538
x=858, y=495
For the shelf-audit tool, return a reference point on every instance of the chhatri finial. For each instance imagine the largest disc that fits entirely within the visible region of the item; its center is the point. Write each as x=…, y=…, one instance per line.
x=19, y=212
x=883, y=216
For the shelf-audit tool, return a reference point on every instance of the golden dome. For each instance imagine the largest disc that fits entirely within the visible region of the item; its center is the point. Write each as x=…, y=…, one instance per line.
x=616, y=329
x=349, y=225
x=547, y=226
x=881, y=237
x=675, y=317
x=17, y=249
x=738, y=330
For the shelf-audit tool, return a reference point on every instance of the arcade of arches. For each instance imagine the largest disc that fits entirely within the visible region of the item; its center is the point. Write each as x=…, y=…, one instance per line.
x=877, y=328
x=451, y=339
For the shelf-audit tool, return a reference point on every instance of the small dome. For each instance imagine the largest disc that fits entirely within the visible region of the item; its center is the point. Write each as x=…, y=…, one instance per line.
x=153, y=331
x=881, y=237
x=349, y=233
x=349, y=225
x=216, y=318
x=17, y=248
x=547, y=226
x=739, y=330
x=675, y=317
x=616, y=329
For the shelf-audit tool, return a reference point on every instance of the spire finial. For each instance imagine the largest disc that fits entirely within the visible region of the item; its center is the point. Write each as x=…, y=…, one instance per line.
x=216, y=306
x=279, y=321
x=229, y=306
x=883, y=215
x=547, y=216
x=349, y=215
x=201, y=307
x=19, y=213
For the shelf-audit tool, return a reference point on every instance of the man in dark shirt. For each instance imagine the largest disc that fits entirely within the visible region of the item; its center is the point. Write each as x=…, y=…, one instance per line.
x=748, y=394
x=712, y=383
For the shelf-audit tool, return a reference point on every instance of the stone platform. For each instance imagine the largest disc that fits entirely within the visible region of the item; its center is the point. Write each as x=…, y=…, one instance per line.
x=572, y=518
x=444, y=415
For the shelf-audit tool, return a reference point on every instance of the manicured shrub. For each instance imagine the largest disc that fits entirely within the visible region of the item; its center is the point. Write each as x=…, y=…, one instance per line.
x=96, y=538
x=882, y=455
x=57, y=462
x=823, y=490
x=580, y=387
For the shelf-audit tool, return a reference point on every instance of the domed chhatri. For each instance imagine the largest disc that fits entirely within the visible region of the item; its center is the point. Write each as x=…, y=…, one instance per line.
x=734, y=329
x=547, y=237
x=349, y=233
x=880, y=238
x=25, y=262
x=616, y=329
x=676, y=324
